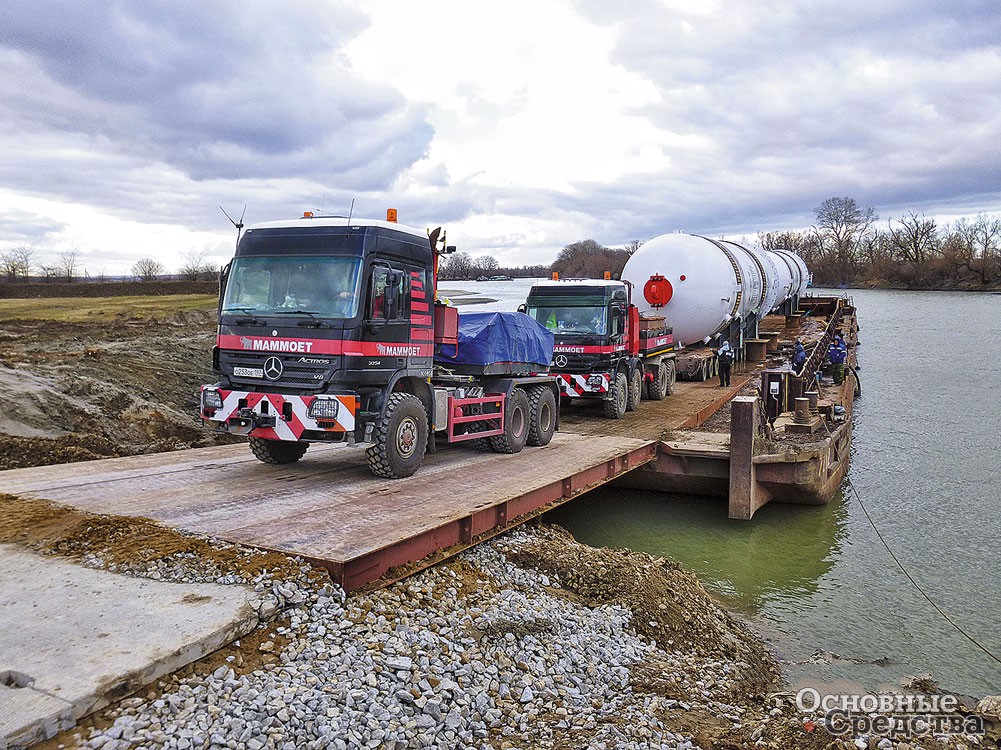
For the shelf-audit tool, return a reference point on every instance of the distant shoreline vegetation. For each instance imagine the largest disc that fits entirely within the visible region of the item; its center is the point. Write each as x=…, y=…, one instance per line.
x=845, y=248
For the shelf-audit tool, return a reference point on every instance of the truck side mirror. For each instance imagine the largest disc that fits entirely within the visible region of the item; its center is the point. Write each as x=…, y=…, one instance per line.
x=223, y=279
x=394, y=282
x=523, y=308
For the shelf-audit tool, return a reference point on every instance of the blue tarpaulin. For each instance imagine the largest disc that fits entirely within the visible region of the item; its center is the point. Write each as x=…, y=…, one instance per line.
x=508, y=341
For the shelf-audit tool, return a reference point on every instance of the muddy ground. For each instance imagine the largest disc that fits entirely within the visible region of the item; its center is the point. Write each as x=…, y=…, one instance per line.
x=72, y=391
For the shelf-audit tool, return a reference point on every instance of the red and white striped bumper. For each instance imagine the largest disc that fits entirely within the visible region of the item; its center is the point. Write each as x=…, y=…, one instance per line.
x=277, y=417
x=576, y=385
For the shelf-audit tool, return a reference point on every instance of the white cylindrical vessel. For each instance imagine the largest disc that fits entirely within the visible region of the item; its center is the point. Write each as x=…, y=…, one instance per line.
x=700, y=285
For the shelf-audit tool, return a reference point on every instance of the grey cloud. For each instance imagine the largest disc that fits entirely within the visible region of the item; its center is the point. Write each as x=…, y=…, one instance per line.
x=223, y=90
x=888, y=101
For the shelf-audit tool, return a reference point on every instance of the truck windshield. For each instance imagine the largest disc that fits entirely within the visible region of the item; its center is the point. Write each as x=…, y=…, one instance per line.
x=571, y=319
x=318, y=286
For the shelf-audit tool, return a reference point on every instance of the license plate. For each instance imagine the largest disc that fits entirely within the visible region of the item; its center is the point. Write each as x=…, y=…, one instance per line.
x=248, y=372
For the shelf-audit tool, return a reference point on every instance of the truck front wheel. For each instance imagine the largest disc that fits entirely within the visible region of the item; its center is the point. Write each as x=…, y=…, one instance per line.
x=277, y=451
x=615, y=404
x=400, y=438
x=542, y=422
x=517, y=416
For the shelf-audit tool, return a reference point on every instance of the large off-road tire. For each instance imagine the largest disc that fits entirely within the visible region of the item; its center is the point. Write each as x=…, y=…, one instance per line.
x=400, y=438
x=542, y=415
x=615, y=405
x=656, y=388
x=517, y=417
x=277, y=451
x=670, y=376
x=635, y=389
x=479, y=444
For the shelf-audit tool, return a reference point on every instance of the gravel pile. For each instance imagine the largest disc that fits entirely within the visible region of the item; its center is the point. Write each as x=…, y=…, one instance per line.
x=478, y=653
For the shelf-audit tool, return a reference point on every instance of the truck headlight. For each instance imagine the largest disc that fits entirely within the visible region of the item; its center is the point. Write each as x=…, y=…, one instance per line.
x=595, y=381
x=323, y=408
x=211, y=399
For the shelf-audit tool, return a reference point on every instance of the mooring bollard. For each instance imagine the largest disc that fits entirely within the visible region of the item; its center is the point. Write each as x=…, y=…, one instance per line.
x=802, y=410
x=814, y=396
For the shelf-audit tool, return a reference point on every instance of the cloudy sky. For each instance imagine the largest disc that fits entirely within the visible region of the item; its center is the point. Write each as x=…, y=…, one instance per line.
x=519, y=126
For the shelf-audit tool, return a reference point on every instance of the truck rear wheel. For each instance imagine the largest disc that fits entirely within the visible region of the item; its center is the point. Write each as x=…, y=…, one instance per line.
x=635, y=392
x=517, y=416
x=542, y=419
x=657, y=389
x=615, y=405
x=400, y=438
x=670, y=377
x=277, y=451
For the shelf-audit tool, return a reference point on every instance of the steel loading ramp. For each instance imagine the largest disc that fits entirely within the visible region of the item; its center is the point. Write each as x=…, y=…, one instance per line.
x=329, y=508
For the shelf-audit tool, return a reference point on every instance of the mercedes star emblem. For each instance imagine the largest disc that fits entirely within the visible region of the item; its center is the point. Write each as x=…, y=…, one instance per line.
x=560, y=360
x=272, y=368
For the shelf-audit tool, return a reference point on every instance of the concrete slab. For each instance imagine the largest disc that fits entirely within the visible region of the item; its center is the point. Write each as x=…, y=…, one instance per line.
x=73, y=639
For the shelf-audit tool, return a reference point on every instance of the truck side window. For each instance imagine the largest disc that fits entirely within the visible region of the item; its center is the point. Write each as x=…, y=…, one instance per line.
x=617, y=320
x=382, y=278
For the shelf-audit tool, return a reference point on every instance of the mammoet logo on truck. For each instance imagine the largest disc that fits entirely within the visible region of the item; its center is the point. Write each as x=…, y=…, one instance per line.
x=276, y=345
x=569, y=349
x=398, y=351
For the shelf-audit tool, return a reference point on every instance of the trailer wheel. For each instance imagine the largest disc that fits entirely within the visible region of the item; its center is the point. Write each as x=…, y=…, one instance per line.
x=400, y=438
x=542, y=411
x=615, y=405
x=657, y=388
x=635, y=390
x=277, y=451
x=517, y=417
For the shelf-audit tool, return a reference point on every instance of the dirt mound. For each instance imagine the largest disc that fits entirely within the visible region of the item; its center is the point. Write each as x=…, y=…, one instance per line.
x=125, y=541
x=19, y=452
x=73, y=391
x=669, y=604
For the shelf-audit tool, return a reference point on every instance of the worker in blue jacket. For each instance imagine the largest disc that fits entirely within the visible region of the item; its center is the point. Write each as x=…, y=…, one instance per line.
x=798, y=356
x=837, y=354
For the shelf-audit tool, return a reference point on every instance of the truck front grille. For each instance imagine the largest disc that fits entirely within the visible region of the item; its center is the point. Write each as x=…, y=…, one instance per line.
x=576, y=362
x=298, y=372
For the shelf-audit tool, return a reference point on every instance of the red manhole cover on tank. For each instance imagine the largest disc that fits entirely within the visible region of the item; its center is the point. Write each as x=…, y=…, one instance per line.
x=658, y=291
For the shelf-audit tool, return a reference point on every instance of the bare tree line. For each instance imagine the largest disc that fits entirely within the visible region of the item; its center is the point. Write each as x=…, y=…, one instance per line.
x=19, y=264
x=848, y=247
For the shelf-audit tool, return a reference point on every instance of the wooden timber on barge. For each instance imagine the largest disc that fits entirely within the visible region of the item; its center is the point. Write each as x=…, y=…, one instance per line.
x=367, y=531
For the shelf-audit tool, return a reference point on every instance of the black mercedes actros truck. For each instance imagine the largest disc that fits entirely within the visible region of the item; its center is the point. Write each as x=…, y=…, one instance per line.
x=328, y=331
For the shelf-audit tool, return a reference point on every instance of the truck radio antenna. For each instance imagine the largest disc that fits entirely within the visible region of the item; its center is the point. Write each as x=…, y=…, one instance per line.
x=351, y=211
x=237, y=224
